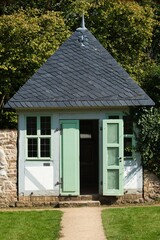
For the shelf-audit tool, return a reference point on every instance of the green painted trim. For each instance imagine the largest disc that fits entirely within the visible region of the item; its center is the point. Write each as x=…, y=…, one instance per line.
x=69, y=157
x=112, y=167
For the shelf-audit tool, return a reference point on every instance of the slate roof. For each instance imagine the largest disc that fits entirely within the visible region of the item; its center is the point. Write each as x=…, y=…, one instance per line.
x=81, y=73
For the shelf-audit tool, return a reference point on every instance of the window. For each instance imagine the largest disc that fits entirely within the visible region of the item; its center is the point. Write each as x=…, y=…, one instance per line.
x=31, y=126
x=38, y=135
x=127, y=147
x=45, y=126
x=32, y=147
x=128, y=135
x=128, y=125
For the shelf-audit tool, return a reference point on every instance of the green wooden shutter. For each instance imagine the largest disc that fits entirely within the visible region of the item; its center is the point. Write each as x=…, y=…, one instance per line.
x=113, y=157
x=69, y=166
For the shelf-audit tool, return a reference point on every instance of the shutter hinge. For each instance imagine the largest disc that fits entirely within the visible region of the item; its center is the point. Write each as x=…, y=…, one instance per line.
x=58, y=129
x=59, y=183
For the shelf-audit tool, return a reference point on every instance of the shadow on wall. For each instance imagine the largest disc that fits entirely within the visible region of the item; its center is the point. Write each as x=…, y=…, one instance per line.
x=133, y=174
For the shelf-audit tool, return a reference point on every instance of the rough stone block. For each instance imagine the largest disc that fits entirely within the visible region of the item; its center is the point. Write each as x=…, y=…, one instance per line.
x=12, y=204
x=20, y=204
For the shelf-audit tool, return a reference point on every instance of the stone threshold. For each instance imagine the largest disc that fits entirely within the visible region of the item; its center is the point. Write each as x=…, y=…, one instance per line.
x=70, y=204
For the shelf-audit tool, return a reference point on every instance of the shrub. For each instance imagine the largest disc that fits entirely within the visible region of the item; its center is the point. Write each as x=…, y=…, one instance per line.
x=148, y=139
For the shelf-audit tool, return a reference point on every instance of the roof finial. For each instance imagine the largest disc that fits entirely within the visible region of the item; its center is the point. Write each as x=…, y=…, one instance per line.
x=83, y=21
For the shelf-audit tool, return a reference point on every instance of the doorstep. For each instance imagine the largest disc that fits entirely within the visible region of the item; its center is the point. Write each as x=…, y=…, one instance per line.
x=81, y=203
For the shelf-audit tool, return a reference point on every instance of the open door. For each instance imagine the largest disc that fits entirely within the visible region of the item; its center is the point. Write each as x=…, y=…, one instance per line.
x=89, y=157
x=113, y=157
x=69, y=159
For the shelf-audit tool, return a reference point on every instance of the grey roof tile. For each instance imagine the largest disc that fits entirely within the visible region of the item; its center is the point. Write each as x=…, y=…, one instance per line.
x=80, y=75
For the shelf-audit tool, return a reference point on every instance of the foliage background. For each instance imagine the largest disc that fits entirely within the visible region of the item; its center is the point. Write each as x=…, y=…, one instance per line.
x=30, y=31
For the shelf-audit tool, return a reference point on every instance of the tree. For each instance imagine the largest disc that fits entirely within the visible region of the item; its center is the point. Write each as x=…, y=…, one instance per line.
x=150, y=82
x=123, y=27
x=126, y=31
x=155, y=49
x=28, y=38
x=10, y=6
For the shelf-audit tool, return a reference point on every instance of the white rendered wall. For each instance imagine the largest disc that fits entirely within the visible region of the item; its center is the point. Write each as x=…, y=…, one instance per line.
x=133, y=176
x=39, y=179
x=38, y=176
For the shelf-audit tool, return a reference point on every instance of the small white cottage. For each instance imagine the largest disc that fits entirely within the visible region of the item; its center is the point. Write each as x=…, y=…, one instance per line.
x=75, y=134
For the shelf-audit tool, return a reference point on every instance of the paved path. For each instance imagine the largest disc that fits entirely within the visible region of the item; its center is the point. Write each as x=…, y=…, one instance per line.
x=82, y=223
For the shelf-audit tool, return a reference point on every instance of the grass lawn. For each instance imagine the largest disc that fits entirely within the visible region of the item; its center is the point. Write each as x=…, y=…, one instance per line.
x=33, y=225
x=130, y=223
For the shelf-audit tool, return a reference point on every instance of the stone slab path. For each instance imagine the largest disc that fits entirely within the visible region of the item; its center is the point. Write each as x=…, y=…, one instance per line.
x=82, y=223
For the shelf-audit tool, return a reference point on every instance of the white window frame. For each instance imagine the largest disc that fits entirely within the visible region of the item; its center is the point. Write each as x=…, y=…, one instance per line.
x=38, y=136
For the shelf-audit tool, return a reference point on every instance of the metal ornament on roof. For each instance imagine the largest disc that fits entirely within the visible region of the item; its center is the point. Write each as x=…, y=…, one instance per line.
x=82, y=28
x=83, y=22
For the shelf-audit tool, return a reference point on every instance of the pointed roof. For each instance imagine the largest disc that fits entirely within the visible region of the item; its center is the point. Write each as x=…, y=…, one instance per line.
x=81, y=73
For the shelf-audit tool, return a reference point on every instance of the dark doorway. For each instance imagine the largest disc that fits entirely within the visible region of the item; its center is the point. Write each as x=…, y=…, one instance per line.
x=89, y=157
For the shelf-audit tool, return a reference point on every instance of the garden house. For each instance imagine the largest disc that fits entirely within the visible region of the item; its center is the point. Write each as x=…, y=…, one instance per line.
x=75, y=133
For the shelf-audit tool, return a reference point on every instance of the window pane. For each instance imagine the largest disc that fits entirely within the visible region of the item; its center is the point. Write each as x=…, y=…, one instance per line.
x=113, y=179
x=45, y=147
x=128, y=147
x=45, y=125
x=114, y=117
x=113, y=135
x=32, y=147
x=128, y=125
x=31, y=125
x=113, y=158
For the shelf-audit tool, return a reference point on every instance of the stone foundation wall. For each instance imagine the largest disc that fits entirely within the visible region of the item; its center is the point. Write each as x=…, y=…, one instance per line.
x=151, y=187
x=37, y=201
x=125, y=199
x=8, y=167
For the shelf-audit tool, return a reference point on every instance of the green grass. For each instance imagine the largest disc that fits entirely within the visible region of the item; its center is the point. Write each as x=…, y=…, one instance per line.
x=33, y=225
x=140, y=223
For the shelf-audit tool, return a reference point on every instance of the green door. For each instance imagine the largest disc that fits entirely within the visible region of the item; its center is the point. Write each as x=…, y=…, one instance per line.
x=69, y=159
x=113, y=157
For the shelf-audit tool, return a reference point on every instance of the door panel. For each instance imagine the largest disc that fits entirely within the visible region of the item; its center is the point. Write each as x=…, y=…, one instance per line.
x=113, y=157
x=69, y=166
